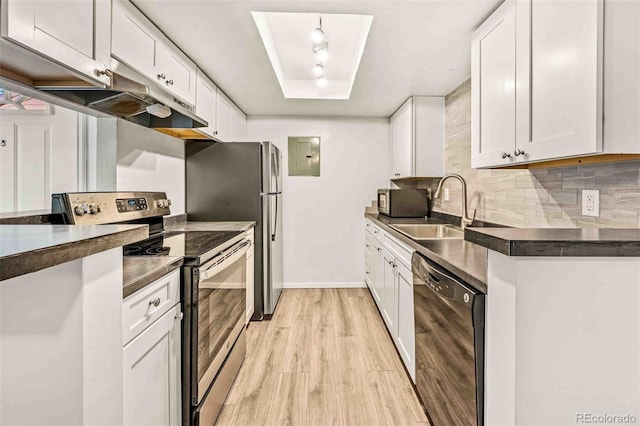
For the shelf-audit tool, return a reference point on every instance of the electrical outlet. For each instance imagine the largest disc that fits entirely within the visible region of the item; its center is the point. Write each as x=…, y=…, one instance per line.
x=591, y=202
x=446, y=194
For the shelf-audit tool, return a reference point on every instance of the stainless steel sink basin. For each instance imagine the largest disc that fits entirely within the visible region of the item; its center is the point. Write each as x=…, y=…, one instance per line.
x=430, y=232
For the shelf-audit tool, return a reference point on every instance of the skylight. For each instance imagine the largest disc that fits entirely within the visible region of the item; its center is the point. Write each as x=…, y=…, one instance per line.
x=293, y=45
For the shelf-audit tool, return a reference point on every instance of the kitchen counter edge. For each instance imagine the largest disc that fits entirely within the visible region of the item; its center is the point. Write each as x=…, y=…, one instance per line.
x=477, y=278
x=558, y=242
x=70, y=243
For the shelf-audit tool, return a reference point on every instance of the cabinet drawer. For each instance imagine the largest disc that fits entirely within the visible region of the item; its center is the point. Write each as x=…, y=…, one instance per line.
x=400, y=251
x=145, y=306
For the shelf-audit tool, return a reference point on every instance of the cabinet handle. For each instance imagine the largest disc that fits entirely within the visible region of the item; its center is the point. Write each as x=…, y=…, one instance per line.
x=396, y=174
x=368, y=245
x=155, y=302
x=99, y=73
x=215, y=133
x=169, y=82
x=505, y=155
x=378, y=248
x=519, y=152
x=162, y=76
x=179, y=316
x=3, y=142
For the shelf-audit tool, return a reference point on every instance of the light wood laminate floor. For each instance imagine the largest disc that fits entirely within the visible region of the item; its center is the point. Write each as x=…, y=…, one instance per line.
x=324, y=359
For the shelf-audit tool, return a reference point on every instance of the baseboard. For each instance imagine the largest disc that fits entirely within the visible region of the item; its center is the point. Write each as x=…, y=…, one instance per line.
x=351, y=284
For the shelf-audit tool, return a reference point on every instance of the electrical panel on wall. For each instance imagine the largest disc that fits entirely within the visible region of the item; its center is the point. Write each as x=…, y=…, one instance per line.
x=304, y=156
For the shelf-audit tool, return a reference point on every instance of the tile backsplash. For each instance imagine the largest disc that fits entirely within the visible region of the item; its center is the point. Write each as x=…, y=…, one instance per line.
x=534, y=198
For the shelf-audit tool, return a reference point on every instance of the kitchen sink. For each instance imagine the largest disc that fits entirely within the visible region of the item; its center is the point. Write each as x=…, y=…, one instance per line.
x=429, y=232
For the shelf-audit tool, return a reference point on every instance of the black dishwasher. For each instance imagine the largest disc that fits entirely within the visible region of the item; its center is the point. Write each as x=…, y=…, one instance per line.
x=449, y=329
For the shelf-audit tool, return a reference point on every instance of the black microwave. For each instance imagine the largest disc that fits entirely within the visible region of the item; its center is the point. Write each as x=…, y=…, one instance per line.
x=403, y=202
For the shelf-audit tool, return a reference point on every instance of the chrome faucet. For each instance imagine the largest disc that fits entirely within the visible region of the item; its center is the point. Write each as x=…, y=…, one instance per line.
x=466, y=220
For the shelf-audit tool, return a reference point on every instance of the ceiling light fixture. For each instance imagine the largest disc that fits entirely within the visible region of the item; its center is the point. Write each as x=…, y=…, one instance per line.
x=318, y=69
x=321, y=50
x=321, y=81
x=317, y=35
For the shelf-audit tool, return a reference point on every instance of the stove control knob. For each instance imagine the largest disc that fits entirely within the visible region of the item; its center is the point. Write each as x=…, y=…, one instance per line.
x=160, y=203
x=168, y=202
x=79, y=210
x=93, y=209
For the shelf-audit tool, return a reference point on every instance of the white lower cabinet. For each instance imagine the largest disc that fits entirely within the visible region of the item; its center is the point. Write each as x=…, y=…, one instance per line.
x=405, y=342
x=152, y=374
x=151, y=359
x=368, y=260
x=390, y=280
x=389, y=305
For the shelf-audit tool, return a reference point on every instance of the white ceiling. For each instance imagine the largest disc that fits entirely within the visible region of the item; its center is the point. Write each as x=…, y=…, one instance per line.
x=419, y=47
x=287, y=40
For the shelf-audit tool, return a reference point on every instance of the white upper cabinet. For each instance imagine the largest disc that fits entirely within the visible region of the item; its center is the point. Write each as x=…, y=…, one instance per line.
x=238, y=126
x=224, y=117
x=179, y=70
x=417, y=138
x=73, y=33
x=493, y=78
x=206, y=103
x=559, y=78
x=134, y=40
x=137, y=42
x=402, y=141
x=545, y=74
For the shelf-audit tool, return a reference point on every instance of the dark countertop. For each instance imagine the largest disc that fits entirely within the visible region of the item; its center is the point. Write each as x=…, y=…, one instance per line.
x=30, y=248
x=611, y=242
x=210, y=226
x=464, y=259
x=140, y=271
x=30, y=217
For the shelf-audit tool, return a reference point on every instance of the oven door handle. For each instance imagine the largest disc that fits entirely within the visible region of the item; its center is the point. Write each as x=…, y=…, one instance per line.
x=225, y=258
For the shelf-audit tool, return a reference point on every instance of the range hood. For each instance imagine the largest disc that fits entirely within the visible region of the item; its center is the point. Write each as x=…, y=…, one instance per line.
x=132, y=97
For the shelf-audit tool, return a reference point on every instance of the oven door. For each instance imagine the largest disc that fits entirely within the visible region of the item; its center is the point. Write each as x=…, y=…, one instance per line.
x=219, y=313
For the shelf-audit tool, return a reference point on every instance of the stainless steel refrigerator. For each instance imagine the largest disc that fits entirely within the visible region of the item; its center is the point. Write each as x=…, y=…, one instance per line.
x=242, y=181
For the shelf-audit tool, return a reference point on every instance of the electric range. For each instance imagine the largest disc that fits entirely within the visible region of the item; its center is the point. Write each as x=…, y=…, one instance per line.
x=213, y=289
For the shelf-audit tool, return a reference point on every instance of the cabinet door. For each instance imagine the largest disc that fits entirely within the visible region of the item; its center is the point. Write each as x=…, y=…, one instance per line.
x=180, y=71
x=493, y=91
x=238, y=126
x=152, y=374
x=368, y=260
x=378, y=275
x=402, y=141
x=559, y=78
x=395, y=136
x=406, y=337
x=74, y=33
x=205, y=104
x=388, y=296
x=26, y=162
x=136, y=41
x=223, y=117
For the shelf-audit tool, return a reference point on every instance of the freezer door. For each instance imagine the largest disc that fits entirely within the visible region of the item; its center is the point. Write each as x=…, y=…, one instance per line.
x=272, y=243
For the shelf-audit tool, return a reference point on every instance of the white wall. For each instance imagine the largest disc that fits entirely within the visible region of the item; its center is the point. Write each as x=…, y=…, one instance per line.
x=150, y=161
x=324, y=216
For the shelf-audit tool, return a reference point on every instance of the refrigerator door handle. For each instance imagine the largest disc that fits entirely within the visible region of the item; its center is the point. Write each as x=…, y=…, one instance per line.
x=275, y=220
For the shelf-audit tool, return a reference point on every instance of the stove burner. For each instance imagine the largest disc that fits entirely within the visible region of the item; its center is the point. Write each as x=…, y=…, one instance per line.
x=158, y=251
x=132, y=250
